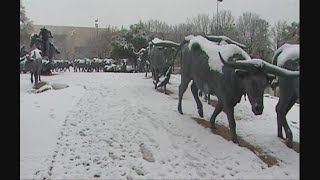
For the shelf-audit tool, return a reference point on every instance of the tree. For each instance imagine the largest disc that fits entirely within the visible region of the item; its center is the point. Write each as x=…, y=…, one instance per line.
x=137, y=36
x=282, y=33
x=226, y=24
x=25, y=26
x=253, y=32
x=157, y=28
x=201, y=23
x=262, y=44
x=181, y=30
x=23, y=17
x=126, y=41
x=292, y=33
x=119, y=46
x=277, y=34
x=102, y=41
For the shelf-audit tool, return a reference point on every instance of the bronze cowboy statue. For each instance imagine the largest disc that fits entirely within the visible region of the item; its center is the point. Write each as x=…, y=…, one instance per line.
x=44, y=35
x=43, y=43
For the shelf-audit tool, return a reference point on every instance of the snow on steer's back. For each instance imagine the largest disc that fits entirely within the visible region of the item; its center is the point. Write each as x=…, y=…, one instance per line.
x=212, y=50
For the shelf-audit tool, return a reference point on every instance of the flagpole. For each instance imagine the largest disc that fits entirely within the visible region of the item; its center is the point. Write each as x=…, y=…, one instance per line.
x=218, y=30
x=96, y=24
x=217, y=18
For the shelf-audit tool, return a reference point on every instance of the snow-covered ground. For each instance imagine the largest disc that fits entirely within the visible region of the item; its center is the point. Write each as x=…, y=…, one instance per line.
x=117, y=126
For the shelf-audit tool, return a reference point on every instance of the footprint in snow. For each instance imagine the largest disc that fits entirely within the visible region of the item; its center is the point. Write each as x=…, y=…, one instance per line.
x=146, y=153
x=51, y=116
x=138, y=171
x=82, y=133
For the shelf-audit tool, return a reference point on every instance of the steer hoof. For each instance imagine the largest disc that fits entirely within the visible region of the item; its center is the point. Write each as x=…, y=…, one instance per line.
x=213, y=126
x=235, y=140
x=289, y=143
x=180, y=110
x=200, y=112
x=280, y=136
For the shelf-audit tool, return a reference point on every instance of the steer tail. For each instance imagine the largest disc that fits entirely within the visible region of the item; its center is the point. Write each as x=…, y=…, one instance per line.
x=166, y=80
x=175, y=56
x=169, y=71
x=276, y=55
x=274, y=84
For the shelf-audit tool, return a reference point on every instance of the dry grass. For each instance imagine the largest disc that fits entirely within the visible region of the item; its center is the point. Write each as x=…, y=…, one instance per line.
x=295, y=146
x=52, y=74
x=40, y=84
x=225, y=133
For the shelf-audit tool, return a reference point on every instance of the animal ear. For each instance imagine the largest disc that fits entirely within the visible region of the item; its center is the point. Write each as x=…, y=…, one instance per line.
x=241, y=73
x=270, y=78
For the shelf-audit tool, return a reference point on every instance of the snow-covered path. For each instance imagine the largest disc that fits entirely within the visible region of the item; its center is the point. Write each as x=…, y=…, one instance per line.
x=120, y=127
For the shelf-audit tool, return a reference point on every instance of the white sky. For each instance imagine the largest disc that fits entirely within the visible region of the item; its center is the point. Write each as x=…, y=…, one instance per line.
x=126, y=12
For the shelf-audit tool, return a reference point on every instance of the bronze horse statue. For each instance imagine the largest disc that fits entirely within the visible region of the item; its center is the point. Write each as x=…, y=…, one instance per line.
x=42, y=42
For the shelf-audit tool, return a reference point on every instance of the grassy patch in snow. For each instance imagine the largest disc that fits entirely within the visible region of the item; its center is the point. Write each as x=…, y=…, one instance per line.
x=52, y=74
x=295, y=146
x=225, y=133
x=40, y=84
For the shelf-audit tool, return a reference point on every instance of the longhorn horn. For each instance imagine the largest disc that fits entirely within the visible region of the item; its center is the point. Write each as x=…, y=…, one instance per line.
x=213, y=38
x=237, y=64
x=260, y=64
x=278, y=71
x=166, y=44
x=137, y=53
x=227, y=39
x=152, y=42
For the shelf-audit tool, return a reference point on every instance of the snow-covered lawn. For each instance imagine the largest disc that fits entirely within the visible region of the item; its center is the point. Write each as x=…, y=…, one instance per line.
x=117, y=126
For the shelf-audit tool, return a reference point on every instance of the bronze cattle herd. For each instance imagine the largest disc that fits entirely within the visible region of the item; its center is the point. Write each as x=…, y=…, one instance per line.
x=216, y=65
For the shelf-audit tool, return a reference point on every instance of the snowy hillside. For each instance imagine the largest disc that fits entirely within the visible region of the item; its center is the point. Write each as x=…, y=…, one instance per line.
x=117, y=126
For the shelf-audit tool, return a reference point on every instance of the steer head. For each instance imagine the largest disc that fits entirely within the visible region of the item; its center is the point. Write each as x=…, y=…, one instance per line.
x=254, y=75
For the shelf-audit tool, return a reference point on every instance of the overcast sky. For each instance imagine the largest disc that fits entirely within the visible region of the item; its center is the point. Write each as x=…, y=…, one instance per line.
x=126, y=12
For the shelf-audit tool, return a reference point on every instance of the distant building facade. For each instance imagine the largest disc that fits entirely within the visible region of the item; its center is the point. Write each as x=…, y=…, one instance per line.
x=71, y=41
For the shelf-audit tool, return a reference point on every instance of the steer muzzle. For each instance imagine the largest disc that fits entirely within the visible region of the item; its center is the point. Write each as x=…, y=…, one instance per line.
x=257, y=109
